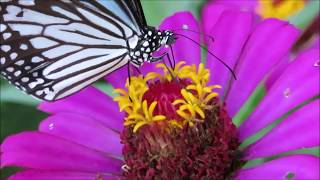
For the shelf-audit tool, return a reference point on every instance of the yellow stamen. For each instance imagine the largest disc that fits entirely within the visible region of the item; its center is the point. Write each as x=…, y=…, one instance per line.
x=190, y=108
x=282, y=10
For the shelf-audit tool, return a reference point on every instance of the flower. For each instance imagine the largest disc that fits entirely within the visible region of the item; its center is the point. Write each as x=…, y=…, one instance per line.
x=81, y=137
x=302, y=13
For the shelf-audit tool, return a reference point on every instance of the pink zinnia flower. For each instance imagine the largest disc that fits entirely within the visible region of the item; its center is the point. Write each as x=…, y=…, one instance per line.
x=84, y=135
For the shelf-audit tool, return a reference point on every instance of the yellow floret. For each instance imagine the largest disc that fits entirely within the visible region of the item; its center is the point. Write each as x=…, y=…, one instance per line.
x=196, y=97
x=282, y=10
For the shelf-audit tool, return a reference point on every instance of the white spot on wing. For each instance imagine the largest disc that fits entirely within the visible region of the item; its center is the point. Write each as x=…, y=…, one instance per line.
x=25, y=79
x=27, y=2
x=5, y=48
x=20, y=62
x=17, y=73
x=23, y=47
x=36, y=59
x=35, y=83
x=10, y=69
x=26, y=29
x=2, y=60
x=3, y=27
x=39, y=93
x=42, y=42
x=13, y=55
x=6, y=35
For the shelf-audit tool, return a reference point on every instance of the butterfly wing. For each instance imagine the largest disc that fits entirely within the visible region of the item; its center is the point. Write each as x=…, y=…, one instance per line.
x=136, y=8
x=51, y=49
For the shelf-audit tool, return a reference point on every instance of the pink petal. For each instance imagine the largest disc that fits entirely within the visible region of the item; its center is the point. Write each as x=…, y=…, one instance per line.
x=58, y=175
x=83, y=130
x=304, y=167
x=90, y=102
x=299, y=130
x=210, y=15
x=243, y=5
x=269, y=42
x=230, y=33
x=212, y=11
x=37, y=150
x=176, y=22
x=299, y=82
x=277, y=71
x=118, y=78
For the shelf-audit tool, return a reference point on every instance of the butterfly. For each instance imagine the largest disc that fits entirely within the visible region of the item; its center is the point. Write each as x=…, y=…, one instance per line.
x=51, y=49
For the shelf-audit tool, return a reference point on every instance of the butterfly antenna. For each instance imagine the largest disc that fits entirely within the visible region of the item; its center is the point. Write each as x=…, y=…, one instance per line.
x=174, y=61
x=203, y=34
x=220, y=60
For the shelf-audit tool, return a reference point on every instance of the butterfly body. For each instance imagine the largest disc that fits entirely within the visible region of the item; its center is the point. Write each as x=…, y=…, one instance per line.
x=149, y=42
x=54, y=48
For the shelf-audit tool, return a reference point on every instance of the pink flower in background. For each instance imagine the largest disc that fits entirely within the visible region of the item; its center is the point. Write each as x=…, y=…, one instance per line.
x=81, y=137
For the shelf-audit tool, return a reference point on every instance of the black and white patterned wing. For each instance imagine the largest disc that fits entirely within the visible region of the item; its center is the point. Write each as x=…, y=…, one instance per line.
x=51, y=48
x=136, y=8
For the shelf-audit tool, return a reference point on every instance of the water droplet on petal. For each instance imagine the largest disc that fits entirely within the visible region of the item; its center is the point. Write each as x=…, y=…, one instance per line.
x=287, y=93
x=51, y=126
x=185, y=26
x=317, y=63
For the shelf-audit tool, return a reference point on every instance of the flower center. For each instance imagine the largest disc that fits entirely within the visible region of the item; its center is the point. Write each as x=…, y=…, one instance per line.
x=165, y=93
x=279, y=8
x=176, y=127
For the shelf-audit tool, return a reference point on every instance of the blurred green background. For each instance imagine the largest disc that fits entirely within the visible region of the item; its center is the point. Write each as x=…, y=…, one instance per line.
x=18, y=112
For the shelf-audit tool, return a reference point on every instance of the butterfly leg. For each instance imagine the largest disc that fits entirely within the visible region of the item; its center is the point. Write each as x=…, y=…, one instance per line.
x=174, y=61
x=159, y=58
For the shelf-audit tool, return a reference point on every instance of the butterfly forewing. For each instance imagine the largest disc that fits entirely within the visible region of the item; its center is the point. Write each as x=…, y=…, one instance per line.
x=51, y=49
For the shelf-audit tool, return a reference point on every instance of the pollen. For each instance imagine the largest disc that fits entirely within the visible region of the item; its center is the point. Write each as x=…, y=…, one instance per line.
x=176, y=127
x=176, y=98
x=281, y=9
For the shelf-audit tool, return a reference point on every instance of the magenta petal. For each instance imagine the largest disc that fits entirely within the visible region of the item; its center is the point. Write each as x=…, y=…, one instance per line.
x=37, y=150
x=58, y=175
x=83, y=130
x=260, y=54
x=230, y=33
x=210, y=14
x=304, y=167
x=118, y=78
x=277, y=71
x=178, y=21
x=90, y=102
x=299, y=82
x=299, y=130
x=243, y=5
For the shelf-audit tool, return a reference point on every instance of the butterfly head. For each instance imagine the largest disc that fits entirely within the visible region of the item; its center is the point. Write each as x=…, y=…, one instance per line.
x=168, y=38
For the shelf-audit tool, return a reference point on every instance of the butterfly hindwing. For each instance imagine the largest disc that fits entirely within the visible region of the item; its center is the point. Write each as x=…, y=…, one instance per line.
x=51, y=49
